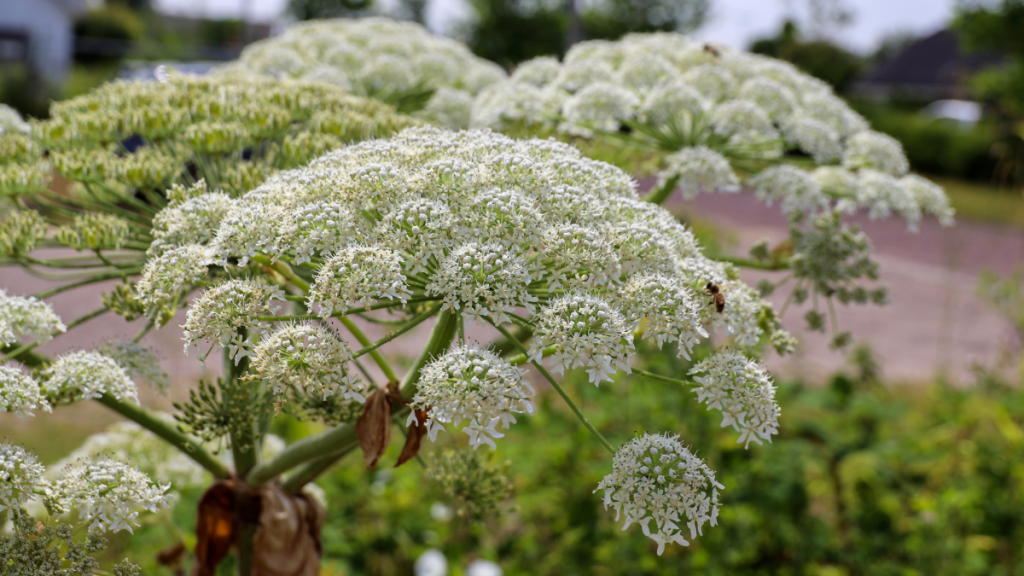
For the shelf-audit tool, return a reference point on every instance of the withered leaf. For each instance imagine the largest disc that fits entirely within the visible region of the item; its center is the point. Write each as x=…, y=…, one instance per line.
x=215, y=527
x=374, y=427
x=413, y=438
x=288, y=540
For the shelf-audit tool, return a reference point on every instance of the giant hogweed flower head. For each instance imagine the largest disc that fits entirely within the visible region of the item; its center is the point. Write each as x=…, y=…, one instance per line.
x=222, y=311
x=86, y=375
x=108, y=494
x=360, y=274
x=480, y=281
x=21, y=316
x=20, y=393
x=658, y=483
x=742, y=391
x=587, y=332
x=375, y=57
x=310, y=358
x=474, y=385
x=20, y=474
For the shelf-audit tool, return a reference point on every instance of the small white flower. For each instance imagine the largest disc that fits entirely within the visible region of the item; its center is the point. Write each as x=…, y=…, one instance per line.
x=586, y=332
x=877, y=151
x=20, y=393
x=699, y=169
x=87, y=375
x=473, y=385
x=359, y=274
x=310, y=357
x=20, y=474
x=742, y=391
x=663, y=507
x=26, y=317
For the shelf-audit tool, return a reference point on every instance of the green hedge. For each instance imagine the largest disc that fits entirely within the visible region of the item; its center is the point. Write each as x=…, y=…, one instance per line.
x=939, y=147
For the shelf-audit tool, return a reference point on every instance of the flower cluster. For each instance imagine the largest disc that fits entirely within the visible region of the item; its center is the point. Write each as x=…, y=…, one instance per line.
x=86, y=375
x=475, y=486
x=379, y=58
x=26, y=317
x=656, y=480
x=226, y=313
x=140, y=363
x=127, y=136
x=586, y=331
x=108, y=494
x=742, y=391
x=20, y=393
x=475, y=385
x=482, y=223
x=20, y=474
x=310, y=358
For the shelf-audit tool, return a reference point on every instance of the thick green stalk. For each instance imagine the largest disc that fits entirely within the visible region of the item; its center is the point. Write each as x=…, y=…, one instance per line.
x=561, y=391
x=661, y=193
x=323, y=450
x=168, y=432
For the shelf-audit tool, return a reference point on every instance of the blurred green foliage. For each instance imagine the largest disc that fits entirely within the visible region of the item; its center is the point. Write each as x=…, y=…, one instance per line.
x=112, y=22
x=936, y=146
x=818, y=58
x=863, y=479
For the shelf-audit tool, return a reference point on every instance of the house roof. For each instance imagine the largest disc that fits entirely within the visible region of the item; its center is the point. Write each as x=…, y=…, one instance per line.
x=933, y=67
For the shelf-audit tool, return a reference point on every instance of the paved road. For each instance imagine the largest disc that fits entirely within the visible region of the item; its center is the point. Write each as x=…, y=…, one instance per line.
x=934, y=323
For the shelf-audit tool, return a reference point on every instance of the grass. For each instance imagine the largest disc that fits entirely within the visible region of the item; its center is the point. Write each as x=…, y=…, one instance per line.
x=984, y=202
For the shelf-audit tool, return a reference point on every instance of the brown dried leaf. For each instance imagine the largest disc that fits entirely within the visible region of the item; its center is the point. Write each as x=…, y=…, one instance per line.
x=288, y=540
x=215, y=527
x=413, y=438
x=374, y=427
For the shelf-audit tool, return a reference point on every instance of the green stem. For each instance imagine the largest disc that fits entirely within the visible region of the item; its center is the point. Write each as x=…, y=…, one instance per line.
x=748, y=263
x=661, y=378
x=321, y=451
x=408, y=326
x=661, y=193
x=168, y=432
x=381, y=362
x=558, y=387
x=85, y=282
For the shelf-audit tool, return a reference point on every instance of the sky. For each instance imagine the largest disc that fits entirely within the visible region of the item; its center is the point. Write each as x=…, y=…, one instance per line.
x=732, y=22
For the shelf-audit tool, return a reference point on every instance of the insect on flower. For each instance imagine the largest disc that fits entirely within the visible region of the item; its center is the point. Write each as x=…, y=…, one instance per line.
x=717, y=294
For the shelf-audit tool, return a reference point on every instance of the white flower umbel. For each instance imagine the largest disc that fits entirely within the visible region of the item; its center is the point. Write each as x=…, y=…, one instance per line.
x=741, y=316
x=20, y=474
x=87, y=375
x=586, y=332
x=476, y=386
x=167, y=274
x=314, y=229
x=360, y=274
x=108, y=494
x=699, y=169
x=420, y=230
x=930, y=197
x=877, y=151
x=672, y=102
x=599, y=106
x=792, y=187
x=479, y=280
x=742, y=391
x=658, y=483
x=813, y=136
x=883, y=194
x=309, y=357
x=26, y=317
x=192, y=221
x=20, y=393
x=219, y=314
x=665, y=309
x=576, y=257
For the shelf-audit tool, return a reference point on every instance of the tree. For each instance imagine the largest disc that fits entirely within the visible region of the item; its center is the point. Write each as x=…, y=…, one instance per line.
x=997, y=27
x=819, y=58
